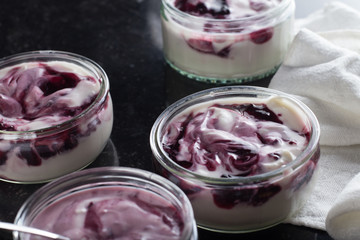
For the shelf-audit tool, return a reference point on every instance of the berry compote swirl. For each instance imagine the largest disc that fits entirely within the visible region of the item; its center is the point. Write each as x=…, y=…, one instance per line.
x=233, y=140
x=244, y=156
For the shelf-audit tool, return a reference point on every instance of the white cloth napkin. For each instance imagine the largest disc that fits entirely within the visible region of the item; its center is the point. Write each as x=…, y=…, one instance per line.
x=344, y=217
x=322, y=68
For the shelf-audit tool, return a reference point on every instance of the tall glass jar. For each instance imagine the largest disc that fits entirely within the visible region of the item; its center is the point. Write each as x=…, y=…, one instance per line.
x=237, y=47
x=56, y=115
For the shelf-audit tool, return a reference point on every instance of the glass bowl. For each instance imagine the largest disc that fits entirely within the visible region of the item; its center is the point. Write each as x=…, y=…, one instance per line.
x=105, y=202
x=226, y=48
x=245, y=156
x=56, y=115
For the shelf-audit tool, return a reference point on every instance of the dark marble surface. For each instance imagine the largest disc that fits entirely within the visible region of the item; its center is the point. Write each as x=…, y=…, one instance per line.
x=124, y=37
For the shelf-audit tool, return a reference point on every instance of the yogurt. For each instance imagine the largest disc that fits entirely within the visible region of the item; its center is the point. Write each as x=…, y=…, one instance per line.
x=109, y=203
x=55, y=117
x=229, y=139
x=112, y=213
x=245, y=156
x=226, y=40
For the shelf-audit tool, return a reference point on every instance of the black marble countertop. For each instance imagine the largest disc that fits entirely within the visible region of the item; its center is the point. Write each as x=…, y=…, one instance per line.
x=124, y=37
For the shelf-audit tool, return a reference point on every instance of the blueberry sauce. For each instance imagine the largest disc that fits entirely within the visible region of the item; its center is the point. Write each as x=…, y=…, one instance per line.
x=218, y=9
x=203, y=140
x=224, y=9
x=56, y=81
x=254, y=196
x=262, y=36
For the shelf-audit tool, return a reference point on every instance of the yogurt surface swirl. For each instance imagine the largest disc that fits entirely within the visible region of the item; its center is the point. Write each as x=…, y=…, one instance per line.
x=224, y=140
x=112, y=213
x=39, y=95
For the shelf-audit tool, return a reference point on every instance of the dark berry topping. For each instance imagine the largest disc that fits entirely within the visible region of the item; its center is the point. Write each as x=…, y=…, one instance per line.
x=201, y=45
x=92, y=219
x=267, y=141
x=228, y=198
x=305, y=174
x=200, y=8
x=57, y=82
x=224, y=52
x=263, y=194
x=246, y=161
x=256, y=196
x=262, y=36
x=258, y=111
x=6, y=127
x=29, y=154
x=3, y=157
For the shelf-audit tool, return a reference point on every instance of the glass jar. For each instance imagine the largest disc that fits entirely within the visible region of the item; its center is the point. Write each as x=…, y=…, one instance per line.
x=243, y=175
x=125, y=202
x=225, y=50
x=56, y=115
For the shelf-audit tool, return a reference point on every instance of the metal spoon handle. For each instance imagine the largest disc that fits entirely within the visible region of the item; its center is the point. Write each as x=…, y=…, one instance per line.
x=34, y=231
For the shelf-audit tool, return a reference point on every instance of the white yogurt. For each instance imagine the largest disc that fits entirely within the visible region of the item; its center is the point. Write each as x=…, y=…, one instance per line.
x=244, y=46
x=37, y=99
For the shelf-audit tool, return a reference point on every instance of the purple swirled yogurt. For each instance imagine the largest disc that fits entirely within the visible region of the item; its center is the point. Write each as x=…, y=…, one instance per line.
x=229, y=140
x=226, y=40
x=55, y=118
x=111, y=213
x=230, y=149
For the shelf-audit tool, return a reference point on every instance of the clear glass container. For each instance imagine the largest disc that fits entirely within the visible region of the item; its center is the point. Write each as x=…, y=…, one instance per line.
x=115, y=195
x=252, y=200
x=65, y=117
x=239, y=49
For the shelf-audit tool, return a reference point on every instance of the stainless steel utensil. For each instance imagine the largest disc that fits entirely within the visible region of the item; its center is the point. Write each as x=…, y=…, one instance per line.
x=31, y=230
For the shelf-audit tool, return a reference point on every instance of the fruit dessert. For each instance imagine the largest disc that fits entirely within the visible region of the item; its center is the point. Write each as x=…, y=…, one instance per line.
x=228, y=140
x=112, y=213
x=109, y=203
x=55, y=117
x=244, y=162
x=226, y=40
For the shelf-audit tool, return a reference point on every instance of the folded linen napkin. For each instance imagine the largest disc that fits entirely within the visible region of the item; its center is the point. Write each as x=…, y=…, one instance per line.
x=343, y=219
x=322, y=69
x=333, y=16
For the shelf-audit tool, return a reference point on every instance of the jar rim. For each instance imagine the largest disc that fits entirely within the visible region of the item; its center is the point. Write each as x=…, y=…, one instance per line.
x=55, y=55
x=270, y=13
x=162, y=157
x=70, y=183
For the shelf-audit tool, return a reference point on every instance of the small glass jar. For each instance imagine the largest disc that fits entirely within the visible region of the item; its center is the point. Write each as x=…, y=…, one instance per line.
x=107, y=191
x=65, y=117
x=233, y=50
x=244, y=202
